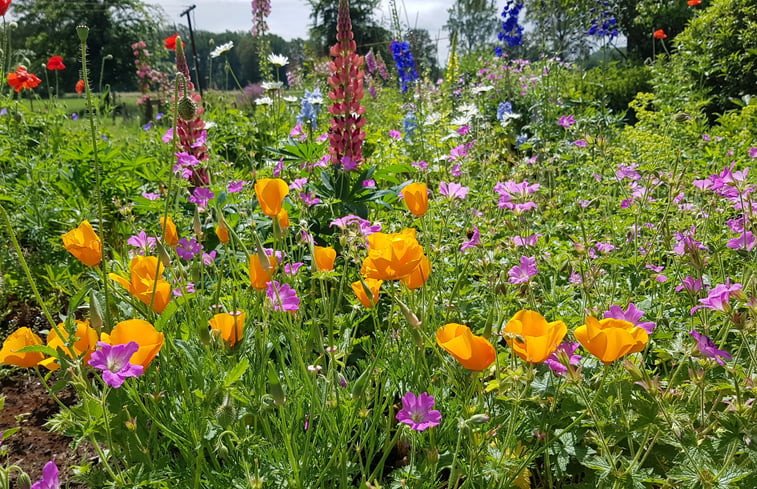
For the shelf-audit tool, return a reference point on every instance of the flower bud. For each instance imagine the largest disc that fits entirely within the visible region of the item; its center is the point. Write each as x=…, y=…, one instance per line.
x=480, y=418
x=186, y=108
x=225, y=414
x=83, y=32
x=23, y=481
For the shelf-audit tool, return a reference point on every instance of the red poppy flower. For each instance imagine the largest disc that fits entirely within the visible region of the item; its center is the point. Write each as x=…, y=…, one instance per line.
x=79, y=86
x=4, y=4
x=21, y=79
x=170, y=42
x=660, y=34
x=694, y=3
x=55, y=63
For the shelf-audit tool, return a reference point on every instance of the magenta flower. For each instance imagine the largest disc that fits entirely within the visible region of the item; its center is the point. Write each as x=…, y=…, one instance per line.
x=142, y=242
x=293, y=268
x=707, y=348
x=201, y=196
x=453, y=190
x=686, y=244
x=719, y=297
x=49, y=478
x=282, y=297
x=150, y=195
x=394, y=134
x=744, y=242
x=753, y=152
x=475, y=240
x=521, y=274
x=581, y=143
x=562, y=357
x=690, y=284
x=566, y=121
x=236, y=186
x=604, y=247
x=187, y=249
x=632, y=315
x=421, y=165
x=209, y=258
x=113, y=360
x=370, y=183
x=417, y=411
x=168, y=136
x=365, y=226
x=309, y=199
x=526, y=240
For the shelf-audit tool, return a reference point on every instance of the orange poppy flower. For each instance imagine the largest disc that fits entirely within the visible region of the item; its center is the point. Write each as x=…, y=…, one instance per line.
x=150, y=341
x=694, y=3
x=170, y=42
x=55, y=63
x=144, y=280
x=609, y=339
x=283, y=218
x=416, y=198
x=418, y=277
x=392, y=256
x=222, y=231
x=80, y=86
x=271, y=193
x=17, y=340
x=260, y=275
x=531, y=337
x=86, y=341
x=170, y=236
x=21, y=79
x=361, y=293
x=473, y=352
x=228, y=326
x=84, y=244
x=323, y=257
x=660, y=34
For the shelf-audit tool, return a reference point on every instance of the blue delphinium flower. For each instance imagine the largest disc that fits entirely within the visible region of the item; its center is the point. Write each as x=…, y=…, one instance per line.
x=409, y=125
x=505, y=113
x=405, y=63
x=604, y=23
x=311, y=105
x=511, y=32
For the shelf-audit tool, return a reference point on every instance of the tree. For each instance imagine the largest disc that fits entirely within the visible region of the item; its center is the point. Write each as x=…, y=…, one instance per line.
x=475, y=22
x=560, y=26
x=48, y=27
x=424, y=51
x=368, y=33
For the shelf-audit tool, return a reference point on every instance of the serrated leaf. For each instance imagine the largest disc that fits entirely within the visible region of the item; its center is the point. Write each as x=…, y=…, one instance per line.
x=236, y=373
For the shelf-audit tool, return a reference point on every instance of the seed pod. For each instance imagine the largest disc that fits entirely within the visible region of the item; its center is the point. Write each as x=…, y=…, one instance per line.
x=186, y=108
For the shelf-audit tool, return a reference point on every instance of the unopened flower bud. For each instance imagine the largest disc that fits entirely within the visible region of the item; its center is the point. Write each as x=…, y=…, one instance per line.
x=480, y=418
x=83, y=32
x=409, y=315
x=23, y=481
x=186, y=108
x=225, y=414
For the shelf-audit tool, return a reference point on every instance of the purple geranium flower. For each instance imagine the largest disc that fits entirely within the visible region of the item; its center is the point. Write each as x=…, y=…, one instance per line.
x=562, y=355
x=417, y=411
x=719, y=297
x=201, y=196
x=282, y=297
x=526, y=240
x=168, y=136
x=49, y=478
x=236, y=186
x=566, y=121
x=150, y=195
x=690, y=284
x=707, y=348
x=187, y=249
x=366, y=228
x=142, y=242
x=453, y=190
x=474, y=240
x=581, y=143
x=632, y=315
x=113, y=360
x=395, y=134
x=521, y=274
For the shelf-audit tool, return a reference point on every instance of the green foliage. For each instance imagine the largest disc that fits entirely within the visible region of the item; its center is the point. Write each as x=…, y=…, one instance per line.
x=475, y=22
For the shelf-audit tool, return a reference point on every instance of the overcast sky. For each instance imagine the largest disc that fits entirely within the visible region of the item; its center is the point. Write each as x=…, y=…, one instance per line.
x=291, y=18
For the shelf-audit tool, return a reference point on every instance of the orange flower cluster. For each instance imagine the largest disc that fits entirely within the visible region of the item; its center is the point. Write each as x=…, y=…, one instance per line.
x=150, y=342
x=21, y=79
x=84, y=244
x=146, y=276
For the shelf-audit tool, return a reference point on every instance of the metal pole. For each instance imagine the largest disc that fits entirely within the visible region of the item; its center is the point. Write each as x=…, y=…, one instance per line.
x=194, y=48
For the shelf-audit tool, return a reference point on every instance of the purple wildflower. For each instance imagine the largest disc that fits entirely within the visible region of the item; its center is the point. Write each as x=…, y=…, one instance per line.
x=719, y=297
x=632, y=315
x=453, y=190
x=691, y=285
x=187, y=249
x=604, y=247
x=707, y=348
x=581, y=143
x=150, y=195
x=394, y=134
x=209, y=258
x=744, y=242
x=753, y=152
x=49, y=478
x=142, y=242
x=521, y=274
x=370, y=183
x=113, y=360
x=298, y=184
x=366, y=228
x=168, y=135
x=292, y=268
x=474, y=240
x=417, y=411
x=421, y=165
x=566, y=121
x=526, y=240
x=562, y=356
x=236, y=186
x=201, y=196
x=309, y=199
x=282, y=297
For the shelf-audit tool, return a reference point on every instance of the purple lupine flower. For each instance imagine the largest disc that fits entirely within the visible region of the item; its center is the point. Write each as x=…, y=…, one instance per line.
x=521, y=274
x=719, y=297
x=632, y=315
x=113, y=360
x=201, y=196
x=475, y=240
x=187, y=249
x=417, y=411
x=566, y=121
x=142, y=242
x=49, y=478
x=150, y=195
x=690, y=284
x=707, y=348
x=453, y=190
x=282, y=297
x=564, y=353
x=236, y=186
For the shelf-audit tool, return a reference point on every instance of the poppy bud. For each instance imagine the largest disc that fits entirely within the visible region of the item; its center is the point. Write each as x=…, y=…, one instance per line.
x=83, y=32
x=186, y=108
x=23, y=481
x=225, y=413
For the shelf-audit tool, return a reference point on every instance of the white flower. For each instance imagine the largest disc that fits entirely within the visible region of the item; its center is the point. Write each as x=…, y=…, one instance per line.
x=432, y=119
x=481, y=89
x=271, y=85
x=264, y=101
x=278, y=59
x=462, y=120
x=290, y=99
x=469, y=110
x=223, y=48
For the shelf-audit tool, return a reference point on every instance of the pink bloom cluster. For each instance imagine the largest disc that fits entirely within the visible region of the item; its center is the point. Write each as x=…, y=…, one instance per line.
x=261, y=9
x=514, y=196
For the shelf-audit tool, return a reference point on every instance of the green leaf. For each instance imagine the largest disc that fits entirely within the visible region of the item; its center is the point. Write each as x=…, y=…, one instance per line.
x=236, y=373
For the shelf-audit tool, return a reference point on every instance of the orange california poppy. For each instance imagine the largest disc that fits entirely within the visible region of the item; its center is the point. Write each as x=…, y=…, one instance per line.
x=260, y=275
x=609, y=339
x=271, y=193
x=228, y=326
x=473, y=352
x=416, y=198
x=21, y=79
x=86, y=342
x=149, y=339
x=144, y=280
x=79, y=86
x=418, y=277
x=222, y=231
x=84, y=244
x=55, y=63
x=531, y=337
x=323, y=258
x=170, y=236
x=373, y=286
x=392, y=256
x=660, y=34
x=17, y=340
